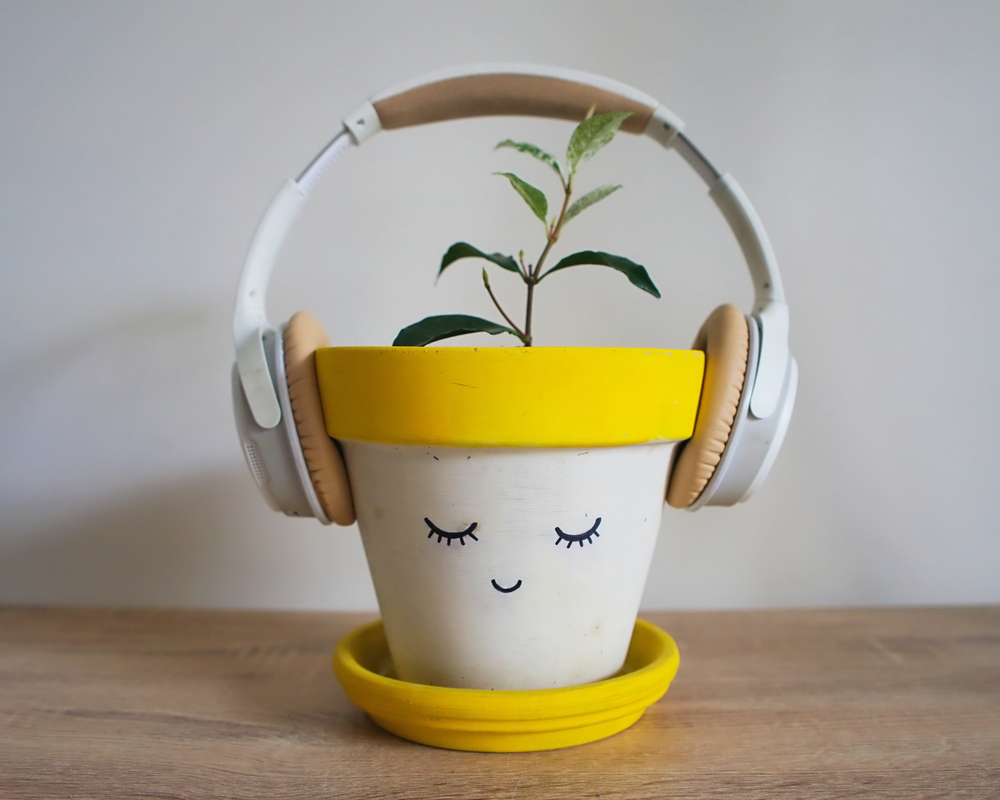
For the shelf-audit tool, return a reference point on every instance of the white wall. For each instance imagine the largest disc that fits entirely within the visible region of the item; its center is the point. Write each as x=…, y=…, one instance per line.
x=140, y=143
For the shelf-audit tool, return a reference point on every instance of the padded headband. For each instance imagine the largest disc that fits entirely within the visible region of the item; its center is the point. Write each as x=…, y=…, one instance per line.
x=507, y=89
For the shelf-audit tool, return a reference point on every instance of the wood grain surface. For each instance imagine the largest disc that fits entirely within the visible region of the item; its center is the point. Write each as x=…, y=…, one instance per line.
x=201, y=704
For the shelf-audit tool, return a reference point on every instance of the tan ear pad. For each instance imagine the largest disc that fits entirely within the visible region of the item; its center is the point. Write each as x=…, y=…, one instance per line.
x=725, y=339
x=303, y=335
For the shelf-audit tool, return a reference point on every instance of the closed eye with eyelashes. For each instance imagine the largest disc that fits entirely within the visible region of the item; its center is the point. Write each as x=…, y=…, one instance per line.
x=449, y=535
x=571, y=538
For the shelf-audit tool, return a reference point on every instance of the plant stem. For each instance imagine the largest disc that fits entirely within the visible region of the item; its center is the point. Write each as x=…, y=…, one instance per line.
x=532, y=277
x=525, y=337
x=527, y=313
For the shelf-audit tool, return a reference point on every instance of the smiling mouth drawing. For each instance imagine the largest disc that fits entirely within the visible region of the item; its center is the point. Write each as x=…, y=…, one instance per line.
x=513, y=588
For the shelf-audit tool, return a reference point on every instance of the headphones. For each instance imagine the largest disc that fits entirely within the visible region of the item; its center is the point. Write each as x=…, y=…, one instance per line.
x=750, y=379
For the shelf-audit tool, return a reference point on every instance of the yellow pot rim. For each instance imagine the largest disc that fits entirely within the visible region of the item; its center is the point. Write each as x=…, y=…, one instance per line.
x=504, y=721
x=509, y=396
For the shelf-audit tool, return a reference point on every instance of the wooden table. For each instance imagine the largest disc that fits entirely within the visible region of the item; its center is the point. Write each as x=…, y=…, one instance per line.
x=203, y=704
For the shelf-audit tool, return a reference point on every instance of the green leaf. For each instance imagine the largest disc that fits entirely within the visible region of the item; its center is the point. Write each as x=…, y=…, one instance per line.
x=444, y=326
x=532, y=196
x=591, y=135
x=465, y=250
x=533, y=150
x=589, y=199
x=636, y=273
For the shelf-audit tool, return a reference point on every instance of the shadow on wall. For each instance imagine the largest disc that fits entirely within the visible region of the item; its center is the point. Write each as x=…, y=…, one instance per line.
x=205, y=540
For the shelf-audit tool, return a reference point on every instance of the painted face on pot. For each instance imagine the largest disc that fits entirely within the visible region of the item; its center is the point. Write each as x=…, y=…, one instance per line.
x=508, y=567
x=570, y=538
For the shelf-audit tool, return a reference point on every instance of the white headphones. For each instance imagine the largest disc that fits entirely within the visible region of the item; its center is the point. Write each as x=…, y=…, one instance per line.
x=750, y=378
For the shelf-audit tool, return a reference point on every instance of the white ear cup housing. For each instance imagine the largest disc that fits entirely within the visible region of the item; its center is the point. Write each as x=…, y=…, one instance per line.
x=753, y=443
x=274, y=455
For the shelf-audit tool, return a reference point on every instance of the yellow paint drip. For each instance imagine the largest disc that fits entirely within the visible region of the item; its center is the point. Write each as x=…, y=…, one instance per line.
x=509, y=397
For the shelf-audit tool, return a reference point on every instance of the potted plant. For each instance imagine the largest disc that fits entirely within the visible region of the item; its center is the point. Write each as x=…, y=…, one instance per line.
x=509, y=499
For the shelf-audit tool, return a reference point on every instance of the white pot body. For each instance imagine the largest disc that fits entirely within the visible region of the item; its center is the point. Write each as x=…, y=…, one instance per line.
x=567, y=614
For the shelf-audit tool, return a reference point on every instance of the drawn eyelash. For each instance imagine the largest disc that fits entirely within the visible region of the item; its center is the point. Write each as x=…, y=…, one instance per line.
x=460, y=535
x=578, y=537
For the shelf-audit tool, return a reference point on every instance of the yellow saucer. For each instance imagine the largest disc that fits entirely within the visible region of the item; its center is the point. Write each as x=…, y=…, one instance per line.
x=504, y=721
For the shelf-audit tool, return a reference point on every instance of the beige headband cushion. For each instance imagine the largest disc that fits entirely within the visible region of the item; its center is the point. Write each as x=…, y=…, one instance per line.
x=725, y=339
x=303, y=335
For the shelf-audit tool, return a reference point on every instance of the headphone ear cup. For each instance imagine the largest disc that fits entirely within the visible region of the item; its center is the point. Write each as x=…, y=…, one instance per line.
x=302, y=337
x=725, y=338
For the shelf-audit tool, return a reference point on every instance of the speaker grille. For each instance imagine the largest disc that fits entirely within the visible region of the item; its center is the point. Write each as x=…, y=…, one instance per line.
x=255, y=464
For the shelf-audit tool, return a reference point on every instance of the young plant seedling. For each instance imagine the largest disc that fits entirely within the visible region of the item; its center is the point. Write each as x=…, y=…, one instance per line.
x=594, y=133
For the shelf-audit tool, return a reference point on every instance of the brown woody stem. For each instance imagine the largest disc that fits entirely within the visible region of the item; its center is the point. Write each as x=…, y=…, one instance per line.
x=533, y=275
x=526, y=338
